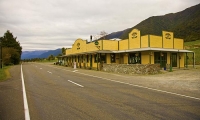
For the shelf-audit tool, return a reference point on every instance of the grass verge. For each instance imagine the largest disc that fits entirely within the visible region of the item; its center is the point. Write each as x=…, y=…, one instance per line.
x=193, y=46
x=4, y=74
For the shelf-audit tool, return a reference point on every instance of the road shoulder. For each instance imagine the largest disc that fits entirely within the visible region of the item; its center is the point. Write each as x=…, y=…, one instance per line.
x=11, y=99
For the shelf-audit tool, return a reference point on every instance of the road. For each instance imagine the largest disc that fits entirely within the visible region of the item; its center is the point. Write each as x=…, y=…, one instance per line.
x=61, y=93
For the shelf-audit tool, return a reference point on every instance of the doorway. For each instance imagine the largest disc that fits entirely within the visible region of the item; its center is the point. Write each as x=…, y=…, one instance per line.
x=90, y=61
x=160, y=58
x=174, y=59
x=134, y=58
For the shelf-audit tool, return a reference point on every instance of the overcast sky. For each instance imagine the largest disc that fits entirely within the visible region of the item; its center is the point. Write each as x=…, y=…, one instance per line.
x=52, y=24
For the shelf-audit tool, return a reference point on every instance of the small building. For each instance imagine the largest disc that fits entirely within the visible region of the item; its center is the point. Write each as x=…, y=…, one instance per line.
x=165, y=51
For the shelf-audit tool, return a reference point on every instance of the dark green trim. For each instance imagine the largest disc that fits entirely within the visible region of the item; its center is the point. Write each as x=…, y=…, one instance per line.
x=140, y=39
x=162, y=39
x=160, y=61
x=186, y=61
x=173, y=41
x=179, y=60
x=148, y=40
x=90, y=61
x=102, y=45
x=170, y=70
x=118, y=45
x=150, y=57
x=128, y=59
x=96, y=42
x=128, y=44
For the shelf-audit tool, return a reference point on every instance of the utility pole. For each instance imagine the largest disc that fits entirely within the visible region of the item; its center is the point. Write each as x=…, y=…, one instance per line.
x=1, y=58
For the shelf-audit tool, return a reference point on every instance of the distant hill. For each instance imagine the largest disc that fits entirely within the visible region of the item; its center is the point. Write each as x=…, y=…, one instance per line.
x=32, y=54
x=50, y=52
x=184, y=24
x=40, y=53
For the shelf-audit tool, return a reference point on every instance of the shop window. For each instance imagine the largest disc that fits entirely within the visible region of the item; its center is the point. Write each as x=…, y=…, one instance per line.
x=157, y=57
x=103, y=58
x=78, y=58
x=87, y=58
x=112, y=58
x=134, y=58
x=82, y=58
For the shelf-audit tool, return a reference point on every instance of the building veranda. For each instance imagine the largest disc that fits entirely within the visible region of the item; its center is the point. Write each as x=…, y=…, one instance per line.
x=137, y=54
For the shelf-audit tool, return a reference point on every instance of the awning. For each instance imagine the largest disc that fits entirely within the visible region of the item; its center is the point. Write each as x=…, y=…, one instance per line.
x=185, y=51
x=157, y=49
x=131, y=50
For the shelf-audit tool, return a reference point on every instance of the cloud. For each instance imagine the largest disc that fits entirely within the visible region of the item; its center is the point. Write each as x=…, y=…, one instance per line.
x=51, y=24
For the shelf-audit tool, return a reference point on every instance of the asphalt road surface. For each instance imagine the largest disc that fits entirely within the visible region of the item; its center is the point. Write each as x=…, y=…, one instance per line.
x=61, y=93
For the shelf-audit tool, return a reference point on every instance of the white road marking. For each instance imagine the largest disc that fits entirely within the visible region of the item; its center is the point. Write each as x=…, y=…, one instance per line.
x=74, y=70
x=142, y=87
x=49, y=72
x=75, y=83
x=172, y=93
x=26, y=110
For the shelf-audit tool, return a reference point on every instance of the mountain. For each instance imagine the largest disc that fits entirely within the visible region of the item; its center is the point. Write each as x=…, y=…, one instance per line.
x=40, y=53
x=31, y=54
x=50, y=52
x=184, y=24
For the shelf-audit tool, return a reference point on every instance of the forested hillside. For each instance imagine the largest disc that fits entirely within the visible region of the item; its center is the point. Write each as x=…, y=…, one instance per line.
x=184, y=24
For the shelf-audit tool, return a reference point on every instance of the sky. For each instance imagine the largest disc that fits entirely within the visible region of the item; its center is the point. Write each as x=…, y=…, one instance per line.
x=53, y=24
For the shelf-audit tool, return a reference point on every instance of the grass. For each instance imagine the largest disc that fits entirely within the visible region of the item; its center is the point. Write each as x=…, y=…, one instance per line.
x=193, y=46
x=45, y=61
x=4, y=74
x=192, y=43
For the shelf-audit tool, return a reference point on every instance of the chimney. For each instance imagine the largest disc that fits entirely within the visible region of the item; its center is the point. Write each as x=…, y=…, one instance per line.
x=90, y=38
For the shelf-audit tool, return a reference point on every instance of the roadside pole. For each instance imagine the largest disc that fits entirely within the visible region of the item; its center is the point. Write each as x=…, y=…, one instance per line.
x=170, y=69
x=1, y=57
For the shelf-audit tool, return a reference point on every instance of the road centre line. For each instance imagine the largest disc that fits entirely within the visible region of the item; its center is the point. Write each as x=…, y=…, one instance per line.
x=26, y=110
x=172, y=93
x=75, y=83
x=49, y=72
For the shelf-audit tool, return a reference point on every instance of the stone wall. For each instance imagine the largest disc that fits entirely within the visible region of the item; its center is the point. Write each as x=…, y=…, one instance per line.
x=132, y=68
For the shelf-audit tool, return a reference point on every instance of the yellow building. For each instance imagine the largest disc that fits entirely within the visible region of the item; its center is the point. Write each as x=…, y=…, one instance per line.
x=164, y=50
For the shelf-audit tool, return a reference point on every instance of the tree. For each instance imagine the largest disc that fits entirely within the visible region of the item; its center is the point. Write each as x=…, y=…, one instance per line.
x=51, y=57
x=103, y=35
x=59, y=55
x=63, y=51
x=10, y=56
x=10, y=42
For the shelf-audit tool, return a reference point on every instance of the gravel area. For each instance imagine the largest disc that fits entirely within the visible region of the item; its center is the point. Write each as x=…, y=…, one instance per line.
x=184, y=81
x=178, y=79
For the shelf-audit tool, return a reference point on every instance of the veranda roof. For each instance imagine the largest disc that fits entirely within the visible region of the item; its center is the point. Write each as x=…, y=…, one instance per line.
x=131, y=50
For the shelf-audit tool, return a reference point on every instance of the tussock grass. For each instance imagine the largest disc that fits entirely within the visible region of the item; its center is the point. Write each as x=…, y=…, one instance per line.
x=4, y=74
